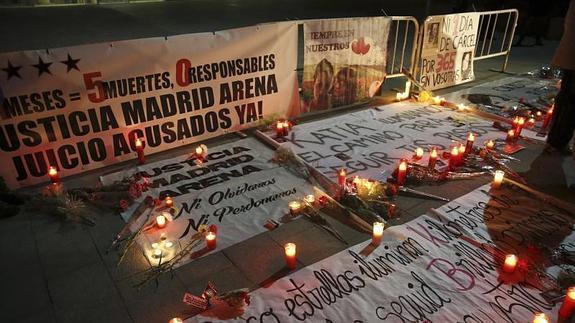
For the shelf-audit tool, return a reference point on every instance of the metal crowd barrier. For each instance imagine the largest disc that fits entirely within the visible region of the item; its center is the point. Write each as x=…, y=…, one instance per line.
x=495, y=34
x=402, y=45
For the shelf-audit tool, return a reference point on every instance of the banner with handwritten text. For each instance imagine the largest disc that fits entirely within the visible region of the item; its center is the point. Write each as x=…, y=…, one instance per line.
x=442, y=267
x=371, y=142
x=448, y=50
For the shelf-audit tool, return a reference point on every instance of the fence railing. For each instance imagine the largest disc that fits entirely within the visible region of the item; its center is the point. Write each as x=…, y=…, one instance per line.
x=402, y=45
x=495, y=34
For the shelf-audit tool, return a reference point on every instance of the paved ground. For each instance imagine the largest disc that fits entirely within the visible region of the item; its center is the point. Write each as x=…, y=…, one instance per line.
x=55, y=271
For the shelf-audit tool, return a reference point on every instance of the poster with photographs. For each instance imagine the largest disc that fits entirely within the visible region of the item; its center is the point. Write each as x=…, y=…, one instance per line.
x=344, y=61
x=448, y=50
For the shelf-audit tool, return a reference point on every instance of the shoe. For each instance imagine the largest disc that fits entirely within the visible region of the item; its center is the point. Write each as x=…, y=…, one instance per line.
x=550, y=150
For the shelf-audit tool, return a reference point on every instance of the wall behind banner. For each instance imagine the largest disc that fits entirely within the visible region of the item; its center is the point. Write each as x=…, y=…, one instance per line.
x=81, y=108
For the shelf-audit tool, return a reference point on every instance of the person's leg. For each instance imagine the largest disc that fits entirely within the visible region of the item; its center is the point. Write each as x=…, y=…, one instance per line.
x=563, y=121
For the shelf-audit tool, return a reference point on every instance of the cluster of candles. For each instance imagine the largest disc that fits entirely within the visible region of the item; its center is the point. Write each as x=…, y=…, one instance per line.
x=296, y=206
x=282, y=128
x=567, y=308
x=159, y=248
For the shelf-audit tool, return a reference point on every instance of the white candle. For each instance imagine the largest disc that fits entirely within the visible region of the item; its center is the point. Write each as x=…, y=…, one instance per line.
x=497, y=179
x=377, y=233
x=310, y=199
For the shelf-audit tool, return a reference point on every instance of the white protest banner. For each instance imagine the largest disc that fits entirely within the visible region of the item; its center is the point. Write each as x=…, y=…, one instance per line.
x=237, y=188
x=436, y=268
x=80, y=108
x=448, y=50
x=344, y=60
x=522, y=95
x=370, y=142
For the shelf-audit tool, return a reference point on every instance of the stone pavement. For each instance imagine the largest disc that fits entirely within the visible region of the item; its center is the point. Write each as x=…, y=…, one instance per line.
x=55, y=271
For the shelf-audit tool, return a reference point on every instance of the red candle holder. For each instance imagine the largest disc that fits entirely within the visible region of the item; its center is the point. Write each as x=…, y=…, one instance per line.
x=290, y=255
x=53, y=174
x=341, y=175
x=469, y=143
x=401, y=172
x=432, y=158
x=211, y=240
x=140, y=151
x=568, y=306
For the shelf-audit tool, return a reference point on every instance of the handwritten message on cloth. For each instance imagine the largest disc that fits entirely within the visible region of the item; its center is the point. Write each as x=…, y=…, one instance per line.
x=448, y=50
x=442, y=267
x=369, y=142
x=237, y=188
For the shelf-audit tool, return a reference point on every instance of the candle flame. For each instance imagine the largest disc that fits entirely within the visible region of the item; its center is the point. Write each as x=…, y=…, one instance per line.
x=52, y=171
x=471, y=137
x=419, y=152
x=434, y=152
x=511, y=260
x=290, y=249
x=138, y=142
x=211, y=236
x=378, y=228
x=540, y=318
x=571, y=293
x=403, y=165
x=454, y=151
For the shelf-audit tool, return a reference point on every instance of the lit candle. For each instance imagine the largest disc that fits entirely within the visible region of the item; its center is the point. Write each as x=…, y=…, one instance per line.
x=399, y=96
x=294, y=207
x=199, y=151
x=454, y=158
x=461, y=107
x=497, y=179
x=211, y=240
x=169, y=202
x=53, y=174
x=510, y=263
x=540, y=318
x=176, y=320
x=432, y=158
x=418, y=153
x=568, y=306
x=155, y=245
x=515, y=124
x=401, y=172
x=510, y=136
x=287, y=127
x=538, y=114
x=520, y=124
x=280, y=129
x=341, y=177
x=310, y=199
x=490, y=144
x=140, y=151
x=168, y=244
x=161, y=221
x=377, y=233
x=407, y=89
x=290, y=254
x=469, y=143
x=531, y=122
x=462, y=151
x=157, y=253
x=547, y=119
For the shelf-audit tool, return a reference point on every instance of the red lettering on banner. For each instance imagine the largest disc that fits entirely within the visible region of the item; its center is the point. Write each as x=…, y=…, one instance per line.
x=91, y=84
x=451, y=273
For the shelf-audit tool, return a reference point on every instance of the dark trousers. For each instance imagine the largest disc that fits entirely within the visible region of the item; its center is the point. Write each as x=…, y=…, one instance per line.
x=563, y=121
